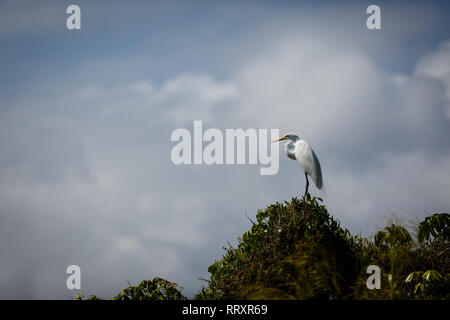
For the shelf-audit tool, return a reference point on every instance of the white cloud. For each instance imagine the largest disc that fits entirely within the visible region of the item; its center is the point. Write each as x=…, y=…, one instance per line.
x=437, y=66
x=412, y=185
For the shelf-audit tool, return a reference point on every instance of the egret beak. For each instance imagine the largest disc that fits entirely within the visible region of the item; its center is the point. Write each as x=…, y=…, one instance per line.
x=282, y=138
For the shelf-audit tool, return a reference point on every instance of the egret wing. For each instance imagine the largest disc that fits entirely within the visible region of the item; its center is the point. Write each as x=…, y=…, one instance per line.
x=309, y=162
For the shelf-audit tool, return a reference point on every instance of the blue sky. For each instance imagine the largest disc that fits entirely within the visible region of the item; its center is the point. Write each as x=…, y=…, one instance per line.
x=86, y=118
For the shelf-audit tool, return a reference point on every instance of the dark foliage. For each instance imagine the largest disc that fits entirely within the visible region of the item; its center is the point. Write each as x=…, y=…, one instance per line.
x=297, y=250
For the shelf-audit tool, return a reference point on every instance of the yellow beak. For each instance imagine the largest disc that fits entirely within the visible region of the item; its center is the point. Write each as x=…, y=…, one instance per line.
x=279, y=139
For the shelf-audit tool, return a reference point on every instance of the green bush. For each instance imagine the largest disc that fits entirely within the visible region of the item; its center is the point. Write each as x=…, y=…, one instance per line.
x=156, y=289
x=294, y=250
x=297, y=250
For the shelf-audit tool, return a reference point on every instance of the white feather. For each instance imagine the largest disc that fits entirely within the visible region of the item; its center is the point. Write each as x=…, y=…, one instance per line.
x=308, y=161
x=301, y=151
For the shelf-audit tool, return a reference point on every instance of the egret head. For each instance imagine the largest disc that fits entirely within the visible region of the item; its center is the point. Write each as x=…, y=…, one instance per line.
x=289, y=136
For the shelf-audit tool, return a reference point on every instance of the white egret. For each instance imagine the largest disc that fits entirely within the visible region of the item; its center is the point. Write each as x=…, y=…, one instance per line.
x=300, y=150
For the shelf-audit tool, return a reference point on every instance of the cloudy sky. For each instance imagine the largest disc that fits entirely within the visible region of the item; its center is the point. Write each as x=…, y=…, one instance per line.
x=86, y=118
